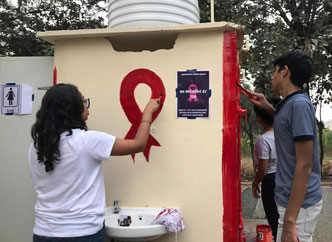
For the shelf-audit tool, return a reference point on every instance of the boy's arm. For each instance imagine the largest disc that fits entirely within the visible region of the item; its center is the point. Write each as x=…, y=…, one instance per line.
x=304, y=152
x=263, y=165
x=260, y=101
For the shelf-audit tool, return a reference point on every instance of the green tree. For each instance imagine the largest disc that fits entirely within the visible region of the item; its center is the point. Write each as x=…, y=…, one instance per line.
x=19, y=24
x=265, y=36
x=250, y=129
x=278, y=26
x=308, y=26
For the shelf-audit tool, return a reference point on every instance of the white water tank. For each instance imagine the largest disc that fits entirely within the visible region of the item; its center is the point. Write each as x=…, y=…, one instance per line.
x=133, y=13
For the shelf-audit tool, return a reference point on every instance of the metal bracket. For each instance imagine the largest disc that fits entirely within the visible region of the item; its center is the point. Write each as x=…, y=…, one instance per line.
x=246, y=47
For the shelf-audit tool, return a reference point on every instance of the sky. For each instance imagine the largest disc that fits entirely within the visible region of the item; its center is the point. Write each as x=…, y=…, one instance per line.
x=13, y=1
x=326, y=113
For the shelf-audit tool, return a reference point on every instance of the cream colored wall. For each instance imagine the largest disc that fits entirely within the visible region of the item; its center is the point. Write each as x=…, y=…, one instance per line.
x=185, y=172
x=17, y=196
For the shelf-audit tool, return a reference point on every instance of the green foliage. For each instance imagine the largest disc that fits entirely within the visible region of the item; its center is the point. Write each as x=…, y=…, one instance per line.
x=279, y=26
x=327, y=142
x=276, y=27
x=246, y=149
x=250, y=129
x=19, y=24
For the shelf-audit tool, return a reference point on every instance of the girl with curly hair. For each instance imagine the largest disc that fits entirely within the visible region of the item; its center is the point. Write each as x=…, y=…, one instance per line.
x=65, y=166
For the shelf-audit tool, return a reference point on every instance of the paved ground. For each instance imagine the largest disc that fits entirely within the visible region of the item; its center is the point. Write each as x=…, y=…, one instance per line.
x=253, y=213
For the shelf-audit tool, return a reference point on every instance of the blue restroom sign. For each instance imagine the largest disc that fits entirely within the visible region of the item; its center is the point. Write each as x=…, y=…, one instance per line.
x=10, y=98
x=16, y=98
x=193, y=94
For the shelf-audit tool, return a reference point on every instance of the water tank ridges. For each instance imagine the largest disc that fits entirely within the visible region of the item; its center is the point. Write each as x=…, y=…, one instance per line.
x=130, y=13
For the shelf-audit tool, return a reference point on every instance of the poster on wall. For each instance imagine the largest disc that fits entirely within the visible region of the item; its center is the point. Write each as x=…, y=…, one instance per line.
x=193, y=94
x=16, y=98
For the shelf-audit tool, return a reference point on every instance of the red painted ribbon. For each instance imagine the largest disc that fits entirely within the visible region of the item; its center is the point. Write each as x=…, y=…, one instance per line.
x=130, y=107
x=54, y=76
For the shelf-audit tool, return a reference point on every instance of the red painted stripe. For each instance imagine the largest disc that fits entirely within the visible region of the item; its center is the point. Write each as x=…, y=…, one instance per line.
x=230, y=167
x=241, y=236
x=55, y=76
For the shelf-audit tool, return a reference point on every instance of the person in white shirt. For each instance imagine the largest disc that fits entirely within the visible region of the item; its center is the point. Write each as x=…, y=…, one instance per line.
x=265, y=165
x=65, y=166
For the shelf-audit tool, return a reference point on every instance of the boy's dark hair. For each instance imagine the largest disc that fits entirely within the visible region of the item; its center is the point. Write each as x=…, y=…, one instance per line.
x=265, y=115
x=299, y=64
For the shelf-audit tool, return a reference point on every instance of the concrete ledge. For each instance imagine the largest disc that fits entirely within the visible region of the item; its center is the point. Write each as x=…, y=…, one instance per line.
x=253, y=209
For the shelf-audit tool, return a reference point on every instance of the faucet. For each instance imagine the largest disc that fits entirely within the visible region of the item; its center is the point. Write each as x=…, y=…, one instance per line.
x=116, y=206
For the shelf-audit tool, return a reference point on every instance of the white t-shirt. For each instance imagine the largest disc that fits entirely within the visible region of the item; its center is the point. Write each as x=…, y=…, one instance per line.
x=71, y=198
x=265, y=149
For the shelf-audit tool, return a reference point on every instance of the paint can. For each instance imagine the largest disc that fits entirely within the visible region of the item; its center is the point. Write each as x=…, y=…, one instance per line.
x=264, y=233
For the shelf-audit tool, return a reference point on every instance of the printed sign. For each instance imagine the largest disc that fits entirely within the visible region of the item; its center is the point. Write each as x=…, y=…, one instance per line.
x=193, y=94
x=10, y=98
x=16, y=99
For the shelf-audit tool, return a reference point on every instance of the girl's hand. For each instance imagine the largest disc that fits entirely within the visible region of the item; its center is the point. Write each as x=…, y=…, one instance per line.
x=153, y=105
x=255, y=190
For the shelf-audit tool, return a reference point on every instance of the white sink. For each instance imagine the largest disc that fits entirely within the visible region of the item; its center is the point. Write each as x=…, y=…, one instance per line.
x=140, y=228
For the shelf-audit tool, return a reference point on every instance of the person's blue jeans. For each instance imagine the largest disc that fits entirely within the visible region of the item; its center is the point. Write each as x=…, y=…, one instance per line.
x=97, y=237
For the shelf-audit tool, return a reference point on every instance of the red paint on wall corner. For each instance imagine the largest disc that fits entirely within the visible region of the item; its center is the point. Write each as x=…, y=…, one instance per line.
x=55, y=76
x=232, y=221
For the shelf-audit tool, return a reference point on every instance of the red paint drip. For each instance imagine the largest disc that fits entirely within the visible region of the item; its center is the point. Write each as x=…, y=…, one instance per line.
x=54, y=76
x=130, y=107
x=230, y=160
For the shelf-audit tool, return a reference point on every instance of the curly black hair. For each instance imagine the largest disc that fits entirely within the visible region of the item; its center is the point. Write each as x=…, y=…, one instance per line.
x=61, y=110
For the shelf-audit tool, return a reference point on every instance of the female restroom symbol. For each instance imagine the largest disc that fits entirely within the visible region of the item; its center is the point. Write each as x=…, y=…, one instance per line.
x=130, y=107
x=10, y=96
x=193, y=89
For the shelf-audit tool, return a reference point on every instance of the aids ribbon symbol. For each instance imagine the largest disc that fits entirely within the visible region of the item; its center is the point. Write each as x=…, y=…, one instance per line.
x=132, y=110
x=193, y=89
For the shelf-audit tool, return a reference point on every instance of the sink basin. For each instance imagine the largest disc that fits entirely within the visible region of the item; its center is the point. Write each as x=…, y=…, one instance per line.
x=140, y=228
